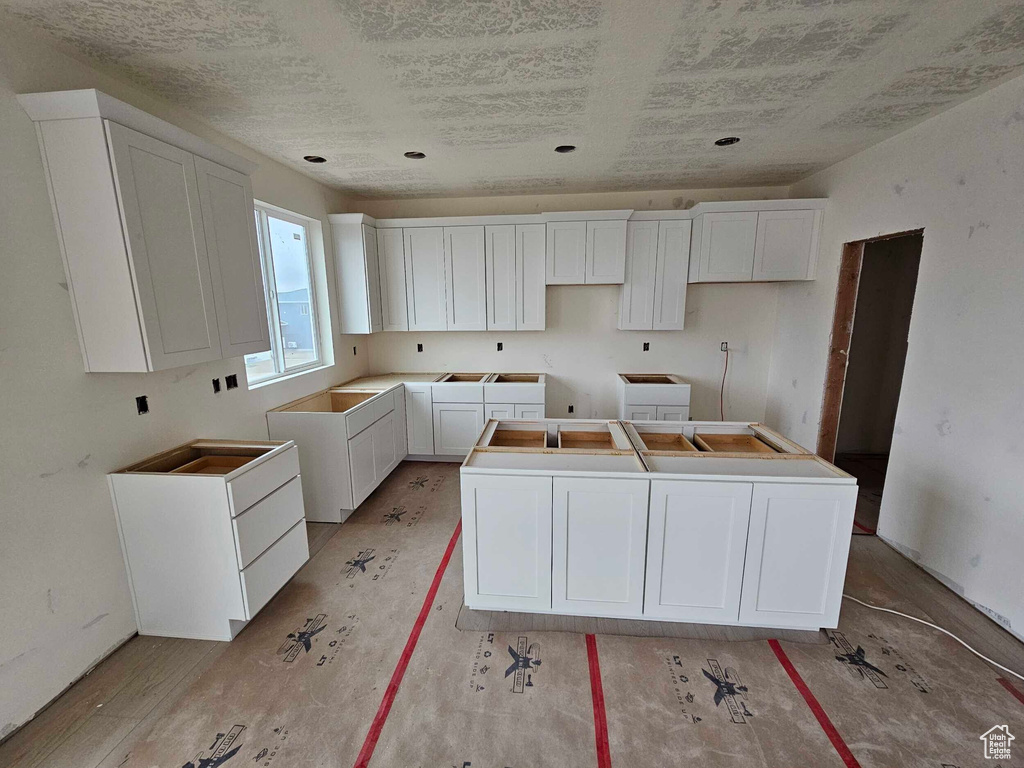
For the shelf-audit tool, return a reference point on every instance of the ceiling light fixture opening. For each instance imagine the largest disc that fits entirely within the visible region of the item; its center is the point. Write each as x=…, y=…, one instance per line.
x=415, y=155
x=565, y=148
x=314, y=159
x=727, y=141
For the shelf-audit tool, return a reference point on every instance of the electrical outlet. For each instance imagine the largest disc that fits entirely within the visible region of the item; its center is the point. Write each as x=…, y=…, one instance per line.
x=647, y=346
x=142, y=403
x=500, y=346
x=571, y=408
x=419, y=347
x=216, y=386
x=231, y=381
x=725, y=346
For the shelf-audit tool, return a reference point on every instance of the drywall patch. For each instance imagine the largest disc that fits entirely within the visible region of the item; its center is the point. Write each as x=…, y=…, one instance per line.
x=943, y=427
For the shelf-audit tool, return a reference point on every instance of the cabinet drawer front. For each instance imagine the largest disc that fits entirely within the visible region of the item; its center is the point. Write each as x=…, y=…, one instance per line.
x=266, y=521
x=360, y=419
x=460, y=393
x=271, y=570
x=512, y=393
x=383, y=405
x=657, y=394
x=262, y=480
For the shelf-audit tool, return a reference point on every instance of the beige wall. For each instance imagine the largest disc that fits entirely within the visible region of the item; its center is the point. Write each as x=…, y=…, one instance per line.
x=64, y=603
x=952, y=499
x=581, y=350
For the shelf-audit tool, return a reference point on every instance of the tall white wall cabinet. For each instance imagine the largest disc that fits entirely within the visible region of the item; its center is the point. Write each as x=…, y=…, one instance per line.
x=210, y=531
x=156, y=232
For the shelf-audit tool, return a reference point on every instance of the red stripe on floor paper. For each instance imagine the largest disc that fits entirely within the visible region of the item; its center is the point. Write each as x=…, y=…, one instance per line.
x=1010, y=687
x=403, y=661
x=816, y=708
x=604, y=755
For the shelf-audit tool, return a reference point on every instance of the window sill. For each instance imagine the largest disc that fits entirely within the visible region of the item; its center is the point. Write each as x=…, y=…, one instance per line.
x=286, y=377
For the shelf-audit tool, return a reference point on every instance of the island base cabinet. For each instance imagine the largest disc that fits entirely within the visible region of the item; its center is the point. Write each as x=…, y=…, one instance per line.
x=599, y=537
x=506, y=542
x=696, y=539
x=797, y=547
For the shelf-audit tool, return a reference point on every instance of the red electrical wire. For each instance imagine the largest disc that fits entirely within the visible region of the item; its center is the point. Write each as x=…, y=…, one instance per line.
x=721, y=396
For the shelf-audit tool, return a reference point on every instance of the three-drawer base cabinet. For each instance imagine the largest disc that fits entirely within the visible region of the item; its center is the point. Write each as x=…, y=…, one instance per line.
x=766, y=554
x=210, y=532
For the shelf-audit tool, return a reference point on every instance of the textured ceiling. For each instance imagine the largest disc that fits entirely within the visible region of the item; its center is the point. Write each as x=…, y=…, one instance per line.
x=487, y=88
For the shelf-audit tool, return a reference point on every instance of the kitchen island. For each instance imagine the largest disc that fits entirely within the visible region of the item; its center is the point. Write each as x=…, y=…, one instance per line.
x=708, y=522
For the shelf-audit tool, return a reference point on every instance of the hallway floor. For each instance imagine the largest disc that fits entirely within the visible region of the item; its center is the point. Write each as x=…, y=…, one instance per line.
x=358, y=662
x=869, y=469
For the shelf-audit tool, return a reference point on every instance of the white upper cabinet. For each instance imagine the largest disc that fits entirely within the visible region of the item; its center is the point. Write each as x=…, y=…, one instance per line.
x=606, y=252
x=531, y=295
x=636, y=304
x=657, y=259
x=777, y=243
x=566, y=252
x=358, y=272
x=425, y=278
x=466, y=283
x=238, y=293
x=157, y=234
x=590, y=251
x=391, y=261
x=500, y=249
x=786, y=245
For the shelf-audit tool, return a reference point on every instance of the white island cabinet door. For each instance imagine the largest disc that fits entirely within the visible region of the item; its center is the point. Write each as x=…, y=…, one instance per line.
x=159, y=197
x=500, y=249
x=385, y=448
x=695, y=545
x=419, y=415
x=362, y=456
x=797, y=546
x=598, y=541
x=466, y=282
x=391, y=263
x=457, y=426
x=235, y=271
x=424, y=278
x=506, y=541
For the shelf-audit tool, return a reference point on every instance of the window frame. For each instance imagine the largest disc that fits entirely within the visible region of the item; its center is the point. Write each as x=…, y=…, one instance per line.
x=261, y=213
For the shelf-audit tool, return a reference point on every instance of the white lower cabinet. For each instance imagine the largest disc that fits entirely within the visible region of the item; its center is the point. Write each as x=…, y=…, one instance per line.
x=457, y=427
x=373, y=453
x=528, y=411
x=419, y=414
x=506, y=542
x=797, y=546
x=696, y=540
x=598, y=543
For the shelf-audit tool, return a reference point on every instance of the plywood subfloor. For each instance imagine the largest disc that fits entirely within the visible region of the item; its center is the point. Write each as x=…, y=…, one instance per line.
x=304, y=683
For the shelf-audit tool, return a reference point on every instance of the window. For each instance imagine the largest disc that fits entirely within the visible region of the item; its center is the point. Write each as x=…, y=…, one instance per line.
x=284, y=242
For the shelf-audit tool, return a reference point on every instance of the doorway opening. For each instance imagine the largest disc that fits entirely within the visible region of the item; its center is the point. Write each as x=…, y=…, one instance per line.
x=867, y=354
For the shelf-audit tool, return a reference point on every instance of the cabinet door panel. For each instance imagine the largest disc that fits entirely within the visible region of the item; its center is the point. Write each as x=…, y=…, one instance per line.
x=391, y=262
x=385, y=450
x=641, y=413
x=797, y=547
x=530, y=279
x=235, y=272
x=695, y=546
x=419, y=414
x=465, y=275
x=500, y=248
x=670, y=281
x=425, y=279
x=457, y=426
x=361, y=463
x=159, y=197
x=500, y=411
x=598, y=543
x=529, y=411
x=506, y=542
x=727, y=247
x=372, y=277
x=785, y=245
x=673, y=412
x=566, y=252
x=606, y=252
x=636, y=301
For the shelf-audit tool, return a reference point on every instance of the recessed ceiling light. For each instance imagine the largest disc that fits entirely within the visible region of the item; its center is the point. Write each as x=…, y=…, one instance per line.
x=564, y=148
x=727, y=141
x=415, y=155
x=314, y=159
